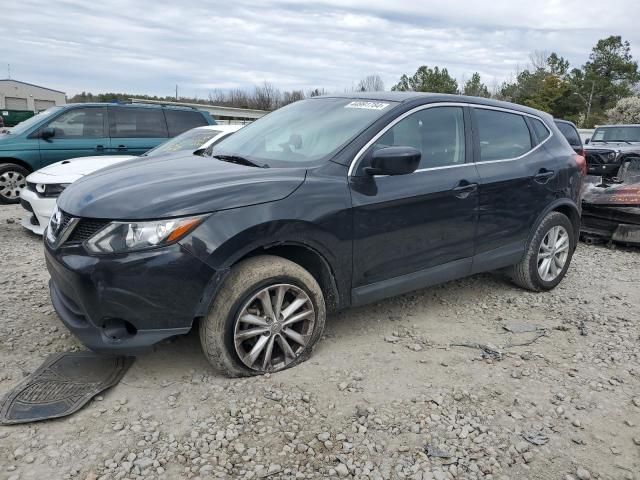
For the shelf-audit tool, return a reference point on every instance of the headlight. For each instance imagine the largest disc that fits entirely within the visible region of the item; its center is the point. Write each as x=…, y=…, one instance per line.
x=50, y=189
x=121, y=237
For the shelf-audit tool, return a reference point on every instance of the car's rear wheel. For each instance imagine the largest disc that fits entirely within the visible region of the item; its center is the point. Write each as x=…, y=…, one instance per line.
x=548, y=254
x=13, y=178
x=267, y=316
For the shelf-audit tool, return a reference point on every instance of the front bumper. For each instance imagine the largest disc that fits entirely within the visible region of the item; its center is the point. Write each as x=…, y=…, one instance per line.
x=126, y=303
x=40, y=209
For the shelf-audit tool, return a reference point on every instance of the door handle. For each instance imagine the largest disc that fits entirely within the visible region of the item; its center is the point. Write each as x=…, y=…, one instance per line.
x=464, y=189
x=544, y=175
x=100, y=148
x=122, y=148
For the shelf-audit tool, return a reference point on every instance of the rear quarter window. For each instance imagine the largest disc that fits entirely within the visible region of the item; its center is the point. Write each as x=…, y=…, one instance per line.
x=502, y=135
x=540, y=129
x=180, y=121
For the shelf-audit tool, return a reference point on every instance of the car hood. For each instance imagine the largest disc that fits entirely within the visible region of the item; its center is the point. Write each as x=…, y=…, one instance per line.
x=68, y=171
x=174, y=185
x=613, y=146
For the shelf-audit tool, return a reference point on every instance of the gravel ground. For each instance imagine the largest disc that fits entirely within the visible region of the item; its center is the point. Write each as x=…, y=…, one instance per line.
x=386, y=395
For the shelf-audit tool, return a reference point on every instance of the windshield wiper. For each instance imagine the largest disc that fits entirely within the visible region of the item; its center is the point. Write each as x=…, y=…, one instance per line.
x=240, y=160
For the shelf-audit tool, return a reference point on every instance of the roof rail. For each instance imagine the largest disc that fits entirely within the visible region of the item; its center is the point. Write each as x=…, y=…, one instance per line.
x=157, y=102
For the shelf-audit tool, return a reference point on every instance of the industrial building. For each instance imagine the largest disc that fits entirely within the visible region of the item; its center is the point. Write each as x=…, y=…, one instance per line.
x=22, y=96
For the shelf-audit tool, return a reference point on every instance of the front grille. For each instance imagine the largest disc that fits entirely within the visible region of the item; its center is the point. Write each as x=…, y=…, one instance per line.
x=64, y=221
x=86, y=228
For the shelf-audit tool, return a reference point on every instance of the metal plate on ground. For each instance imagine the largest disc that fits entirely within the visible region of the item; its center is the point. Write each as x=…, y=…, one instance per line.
x=61, y=385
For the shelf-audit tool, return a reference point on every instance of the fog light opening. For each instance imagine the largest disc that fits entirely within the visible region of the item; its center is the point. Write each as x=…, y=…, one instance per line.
x=116, y=329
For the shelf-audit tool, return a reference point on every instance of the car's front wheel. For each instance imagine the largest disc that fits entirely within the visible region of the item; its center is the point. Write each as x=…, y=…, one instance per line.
x=548, y=254
x=13, y=178
x=267, y=316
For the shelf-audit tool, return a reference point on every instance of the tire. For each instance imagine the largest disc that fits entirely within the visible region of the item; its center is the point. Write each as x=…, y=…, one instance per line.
x=526, y=273
x=221, y=330
x=13, y=178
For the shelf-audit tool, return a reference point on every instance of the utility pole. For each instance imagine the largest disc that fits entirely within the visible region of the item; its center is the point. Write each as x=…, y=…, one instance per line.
x=176, y=92
x=9, y=71
x=593, y=86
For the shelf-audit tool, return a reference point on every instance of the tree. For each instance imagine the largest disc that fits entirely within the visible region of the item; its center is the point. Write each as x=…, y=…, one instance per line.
x=545, y=86
x=627, y=110
x=428, y=80
x=609, y=75
x=475, y=87
x=316, y=92
x=371, y=83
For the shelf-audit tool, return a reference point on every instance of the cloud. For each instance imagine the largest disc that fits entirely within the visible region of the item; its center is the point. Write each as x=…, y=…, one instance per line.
x=150, y=46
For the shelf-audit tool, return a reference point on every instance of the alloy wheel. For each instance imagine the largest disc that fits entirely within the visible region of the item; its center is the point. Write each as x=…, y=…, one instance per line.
x=553, y=253
x=11, y=182
x=274, y=327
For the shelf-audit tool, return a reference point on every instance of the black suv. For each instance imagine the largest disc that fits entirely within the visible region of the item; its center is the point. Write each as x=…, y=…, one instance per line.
x=613, y=148
x=327, y=203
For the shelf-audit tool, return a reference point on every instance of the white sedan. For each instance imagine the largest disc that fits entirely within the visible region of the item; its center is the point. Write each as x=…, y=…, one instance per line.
x=45, y=185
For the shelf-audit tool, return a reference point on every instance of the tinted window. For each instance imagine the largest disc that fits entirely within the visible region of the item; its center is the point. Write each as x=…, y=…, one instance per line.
x=130, y=122
x=437, y=132
x=180, y=121
x=502, y=135
x=542, y=132
x=570, y=133
x=80, y=123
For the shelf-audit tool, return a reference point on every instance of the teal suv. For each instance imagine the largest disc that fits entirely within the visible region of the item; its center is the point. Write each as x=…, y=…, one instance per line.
x=87, y=129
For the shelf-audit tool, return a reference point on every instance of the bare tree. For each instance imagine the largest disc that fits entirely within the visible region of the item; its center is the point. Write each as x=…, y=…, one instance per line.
x=290, y=97
x=371, y=83
x=266, y=97
x=316, y=92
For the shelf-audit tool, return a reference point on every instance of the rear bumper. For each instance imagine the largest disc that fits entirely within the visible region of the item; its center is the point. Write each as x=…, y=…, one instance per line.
x=125, y=304
x=40, y=211
x=617, y=224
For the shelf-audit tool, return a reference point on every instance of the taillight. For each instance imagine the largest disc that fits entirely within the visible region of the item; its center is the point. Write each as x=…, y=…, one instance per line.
x=581, y=161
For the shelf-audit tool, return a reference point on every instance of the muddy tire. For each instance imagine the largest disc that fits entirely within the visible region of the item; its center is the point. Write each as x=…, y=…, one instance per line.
x=548, y=255
x=267, y=316
x=13, y=178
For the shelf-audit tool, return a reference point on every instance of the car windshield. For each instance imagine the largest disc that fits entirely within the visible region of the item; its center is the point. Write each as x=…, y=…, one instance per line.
x=302, y=132
x=623, y=133
x=190, y=140
x=30, y=122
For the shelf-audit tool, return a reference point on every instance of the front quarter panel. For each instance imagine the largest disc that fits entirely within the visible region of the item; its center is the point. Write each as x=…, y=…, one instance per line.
x=316, y=216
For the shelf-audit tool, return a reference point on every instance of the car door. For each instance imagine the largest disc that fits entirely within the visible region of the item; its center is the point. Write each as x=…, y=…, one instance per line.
x=77, y=132
x=518, y=180
x=416, y=229
x=134, y=130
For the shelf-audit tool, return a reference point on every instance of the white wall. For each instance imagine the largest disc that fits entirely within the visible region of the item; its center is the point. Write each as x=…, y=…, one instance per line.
x=15, y=89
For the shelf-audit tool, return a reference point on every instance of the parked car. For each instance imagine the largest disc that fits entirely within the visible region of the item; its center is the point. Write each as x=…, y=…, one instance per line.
x=610, y=147
x=570, y=132
x=45, y=185
x=327, y=203
x=87, y=129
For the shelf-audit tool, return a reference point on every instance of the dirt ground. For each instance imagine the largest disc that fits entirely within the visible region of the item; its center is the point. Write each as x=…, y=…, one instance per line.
x=386, y=394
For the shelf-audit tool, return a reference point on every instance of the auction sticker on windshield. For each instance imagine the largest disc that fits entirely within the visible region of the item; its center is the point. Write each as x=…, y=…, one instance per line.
x=367, y=105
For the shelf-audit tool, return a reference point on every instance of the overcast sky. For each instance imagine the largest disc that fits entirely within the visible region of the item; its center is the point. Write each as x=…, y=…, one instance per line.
x=149, y=46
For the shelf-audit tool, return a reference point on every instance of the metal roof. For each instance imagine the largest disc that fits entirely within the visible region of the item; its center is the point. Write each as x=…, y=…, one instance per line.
x=30, y=84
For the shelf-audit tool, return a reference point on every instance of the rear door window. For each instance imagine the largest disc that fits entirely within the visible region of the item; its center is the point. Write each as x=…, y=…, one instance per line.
x=180, y=121
x=131, y=122
x=569, y=133
x=540, y=129
x=502, y=135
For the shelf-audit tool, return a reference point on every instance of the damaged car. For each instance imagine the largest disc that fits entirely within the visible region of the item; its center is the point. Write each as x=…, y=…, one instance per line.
x=610, y=147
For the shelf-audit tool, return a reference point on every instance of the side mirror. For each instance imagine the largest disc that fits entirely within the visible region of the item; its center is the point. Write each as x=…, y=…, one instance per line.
x=394, y=161
x=47, y=133
x=587, y=141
